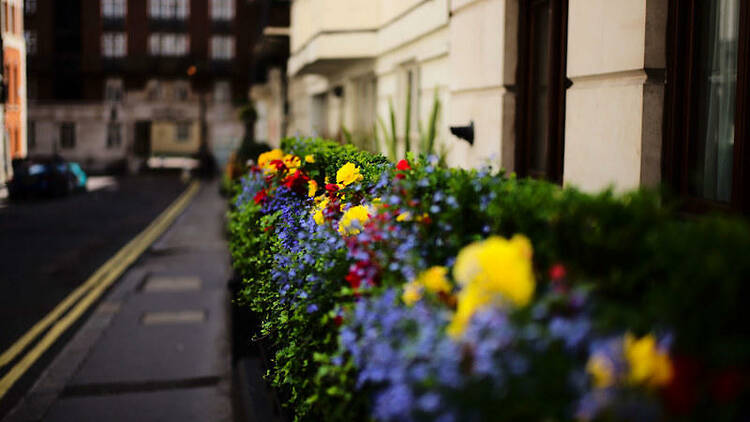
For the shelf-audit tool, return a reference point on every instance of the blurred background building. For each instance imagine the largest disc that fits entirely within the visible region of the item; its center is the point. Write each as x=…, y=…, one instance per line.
x=112, y=82
x=13, y=115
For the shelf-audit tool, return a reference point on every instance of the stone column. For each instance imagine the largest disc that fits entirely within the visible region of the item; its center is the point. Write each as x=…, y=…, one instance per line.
x=614, y=109
x=483, y=40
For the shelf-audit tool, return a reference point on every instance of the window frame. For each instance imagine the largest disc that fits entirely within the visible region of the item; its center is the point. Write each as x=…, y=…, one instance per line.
x=558, y=85
x=222, y=47
x=185, y=125
x=168, y=44
x=113, y=39
x=169, y=9
x=64, y=144
x=118, y=9
x=222, y=10
x=114, y=134
x=679, y=130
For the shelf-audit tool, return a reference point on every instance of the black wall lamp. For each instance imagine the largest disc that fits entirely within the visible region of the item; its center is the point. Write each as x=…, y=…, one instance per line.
x=464, y=132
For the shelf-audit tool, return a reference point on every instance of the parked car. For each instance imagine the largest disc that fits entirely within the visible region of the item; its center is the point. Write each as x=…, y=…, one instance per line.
x=45, y=176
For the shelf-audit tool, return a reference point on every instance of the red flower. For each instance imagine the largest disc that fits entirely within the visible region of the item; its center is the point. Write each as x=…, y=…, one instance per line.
x=297, y=182
x=330, y=187
x=400, y=176
x=403, y=165
x=261, y=196
x=338, y=320
x=557, y=272
x=278, y=164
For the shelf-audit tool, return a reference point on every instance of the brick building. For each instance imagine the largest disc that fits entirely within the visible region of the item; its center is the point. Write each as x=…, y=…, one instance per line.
x=114, y=80
x=13, y=135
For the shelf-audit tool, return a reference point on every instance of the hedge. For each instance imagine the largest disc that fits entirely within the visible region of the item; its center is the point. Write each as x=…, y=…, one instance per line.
x=416, y=292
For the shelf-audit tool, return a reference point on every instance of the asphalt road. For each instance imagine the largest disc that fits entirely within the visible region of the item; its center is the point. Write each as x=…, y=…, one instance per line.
x=49, y=247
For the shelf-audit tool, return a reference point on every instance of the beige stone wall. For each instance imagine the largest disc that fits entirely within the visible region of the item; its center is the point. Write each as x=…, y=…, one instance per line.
x=164, y=139
x=90, y=131
x=466, y=52
x=614, y=108
x=480, y=73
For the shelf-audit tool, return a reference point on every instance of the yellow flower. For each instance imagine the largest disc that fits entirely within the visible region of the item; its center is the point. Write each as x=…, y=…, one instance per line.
x=312, y=188
x=264, y=160
x=348, y=174
x=493, y=271
x=469, y=301
x=421, y=218
x=404, y=216
x=318, y=217
x=360, y=214
x=317, y=211
x=649, y=364
x=292, y=162
x=601, y=370
x=309, y=158
x=412, y=293
x=434, y=279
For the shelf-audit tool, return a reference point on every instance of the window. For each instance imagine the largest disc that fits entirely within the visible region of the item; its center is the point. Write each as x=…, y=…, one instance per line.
x=31, y=134
x=181, y=91
x=153, y=90
x=114, y=9
x=168, y=44
x=222, y=10
x=169, y=9
x=68, y=135
x=542, y=84
x=30, y=37
x=222, y=47
x=183, y=131
x=114, y=44
x=706, y=155
x=114, y=134
x=113, y=90
x=29, y=7
x=222, y=91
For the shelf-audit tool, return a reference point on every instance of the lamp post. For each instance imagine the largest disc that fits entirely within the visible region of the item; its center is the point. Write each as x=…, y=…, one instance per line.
x=206, y=162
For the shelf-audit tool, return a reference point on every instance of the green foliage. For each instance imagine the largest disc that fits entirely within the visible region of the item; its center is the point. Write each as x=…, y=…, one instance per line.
x=650, y=268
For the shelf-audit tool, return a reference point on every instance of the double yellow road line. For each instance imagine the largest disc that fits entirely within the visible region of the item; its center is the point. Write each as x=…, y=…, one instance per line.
x=80, y=299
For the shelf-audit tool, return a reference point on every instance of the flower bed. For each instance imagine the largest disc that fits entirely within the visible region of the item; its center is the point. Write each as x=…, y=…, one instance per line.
x=414, y=292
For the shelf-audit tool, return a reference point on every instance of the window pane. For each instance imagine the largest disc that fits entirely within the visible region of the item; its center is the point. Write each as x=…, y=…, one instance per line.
x=540, y=37
x=717, y=31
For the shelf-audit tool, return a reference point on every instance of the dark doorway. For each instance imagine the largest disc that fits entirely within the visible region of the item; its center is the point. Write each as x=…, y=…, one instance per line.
x=142, y=144
x=540, y=123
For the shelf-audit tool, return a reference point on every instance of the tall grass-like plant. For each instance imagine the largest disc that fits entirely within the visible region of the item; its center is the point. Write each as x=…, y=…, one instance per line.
x=407, y=125
x=389, y=137
x=427, y=137
x=427, y=134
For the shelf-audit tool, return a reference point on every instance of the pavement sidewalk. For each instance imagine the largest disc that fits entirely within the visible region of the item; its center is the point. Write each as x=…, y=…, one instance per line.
x=158, y=346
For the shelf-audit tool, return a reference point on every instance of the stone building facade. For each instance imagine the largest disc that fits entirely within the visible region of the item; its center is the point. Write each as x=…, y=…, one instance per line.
x=583, y=92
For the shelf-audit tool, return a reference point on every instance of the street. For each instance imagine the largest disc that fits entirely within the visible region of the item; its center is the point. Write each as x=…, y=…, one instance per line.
x=50, y=246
